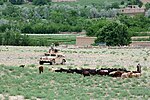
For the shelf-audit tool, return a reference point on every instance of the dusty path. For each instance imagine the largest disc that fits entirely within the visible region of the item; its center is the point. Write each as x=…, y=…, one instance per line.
x=17, y=55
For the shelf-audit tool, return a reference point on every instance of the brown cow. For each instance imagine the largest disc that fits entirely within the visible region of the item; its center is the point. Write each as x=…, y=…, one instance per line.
x=41, y=69
x=85, y=72
x=116, y=73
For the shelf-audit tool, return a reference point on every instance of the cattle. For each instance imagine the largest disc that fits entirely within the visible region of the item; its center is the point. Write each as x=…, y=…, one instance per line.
x=22, y=66
x=113, y=72
x=41, y=69
x=79, y=71
x=136, y=74
x=85, y=72
x=130, y=75
x=102, y=72
x=126, y=75
x=92, y=71
x=116, y=73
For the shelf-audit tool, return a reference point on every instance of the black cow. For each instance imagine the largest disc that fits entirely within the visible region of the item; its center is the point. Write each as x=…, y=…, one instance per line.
x=22, y=66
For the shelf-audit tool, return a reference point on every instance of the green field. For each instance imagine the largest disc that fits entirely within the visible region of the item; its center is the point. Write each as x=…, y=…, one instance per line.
x=91, y=2
x=64, y=86
x=61, y=39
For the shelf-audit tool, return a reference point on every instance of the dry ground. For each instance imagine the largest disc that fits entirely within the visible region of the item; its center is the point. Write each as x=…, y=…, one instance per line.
x=17, y=55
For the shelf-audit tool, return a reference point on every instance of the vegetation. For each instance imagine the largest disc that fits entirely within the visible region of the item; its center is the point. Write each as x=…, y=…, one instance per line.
x=11, y=37
x=147, y=5
x=96, y=26
x=16, y=39
x=113, y=34
x=47, y=40
x=135, y=2
x=89, y=16
x=40, y=2
x=51, y=85
x=17, y=2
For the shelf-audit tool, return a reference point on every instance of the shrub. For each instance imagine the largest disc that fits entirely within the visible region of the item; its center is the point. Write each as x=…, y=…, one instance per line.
x=40, y=2
x=18, y=2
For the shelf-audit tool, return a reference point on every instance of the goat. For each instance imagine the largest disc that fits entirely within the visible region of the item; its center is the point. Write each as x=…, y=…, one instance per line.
x=126, y=75
x=41, y=69
x=136, y=74
x=130, y=75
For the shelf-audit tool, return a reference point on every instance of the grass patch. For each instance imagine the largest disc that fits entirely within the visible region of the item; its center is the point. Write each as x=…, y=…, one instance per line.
x=63, y=39
x=50, y=85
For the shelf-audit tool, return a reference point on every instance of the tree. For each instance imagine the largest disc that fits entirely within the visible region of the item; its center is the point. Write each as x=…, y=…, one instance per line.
x=94, y=13
x=18, y=2
x=11, y=37
x=1, y=39
x=147, y=13
x=8, y=37
x=115, y=5
x=147, y=6
x=92, y=29
x=40, y=2
x=113, y=34
x=135, y=2
x=122, y=3
x=1, y=2
x=25, y=40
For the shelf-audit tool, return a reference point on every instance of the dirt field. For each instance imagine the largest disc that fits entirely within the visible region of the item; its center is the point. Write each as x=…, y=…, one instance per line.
x=17, y=55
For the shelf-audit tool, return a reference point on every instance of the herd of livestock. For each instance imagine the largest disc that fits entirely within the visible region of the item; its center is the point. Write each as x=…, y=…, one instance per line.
x=113, y=72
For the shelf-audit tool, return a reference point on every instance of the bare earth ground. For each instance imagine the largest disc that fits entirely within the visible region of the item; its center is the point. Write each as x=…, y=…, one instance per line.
x=96, y=57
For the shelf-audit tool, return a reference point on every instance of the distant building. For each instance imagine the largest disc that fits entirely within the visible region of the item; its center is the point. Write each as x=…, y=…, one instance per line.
x=145, y=1
x=140, y=44
x=63, y=0
x=132, y=10
x=84, y=41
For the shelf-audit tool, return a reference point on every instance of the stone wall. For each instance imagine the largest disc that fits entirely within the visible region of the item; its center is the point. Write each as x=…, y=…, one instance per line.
x=140, y=44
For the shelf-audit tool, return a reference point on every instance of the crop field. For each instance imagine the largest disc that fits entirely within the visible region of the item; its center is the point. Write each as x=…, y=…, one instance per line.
x=27, y=83
x=62, y=39
x=91, y=2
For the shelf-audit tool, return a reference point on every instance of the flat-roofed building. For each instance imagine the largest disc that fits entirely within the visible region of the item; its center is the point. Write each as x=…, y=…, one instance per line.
x=132, y=10
x=84, y=40
x=145, y=1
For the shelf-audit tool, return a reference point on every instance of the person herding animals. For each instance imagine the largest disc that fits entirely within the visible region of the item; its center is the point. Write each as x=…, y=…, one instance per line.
x=139, y=68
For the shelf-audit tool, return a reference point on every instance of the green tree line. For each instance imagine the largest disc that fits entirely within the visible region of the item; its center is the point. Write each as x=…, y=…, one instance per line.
x=15, y=38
